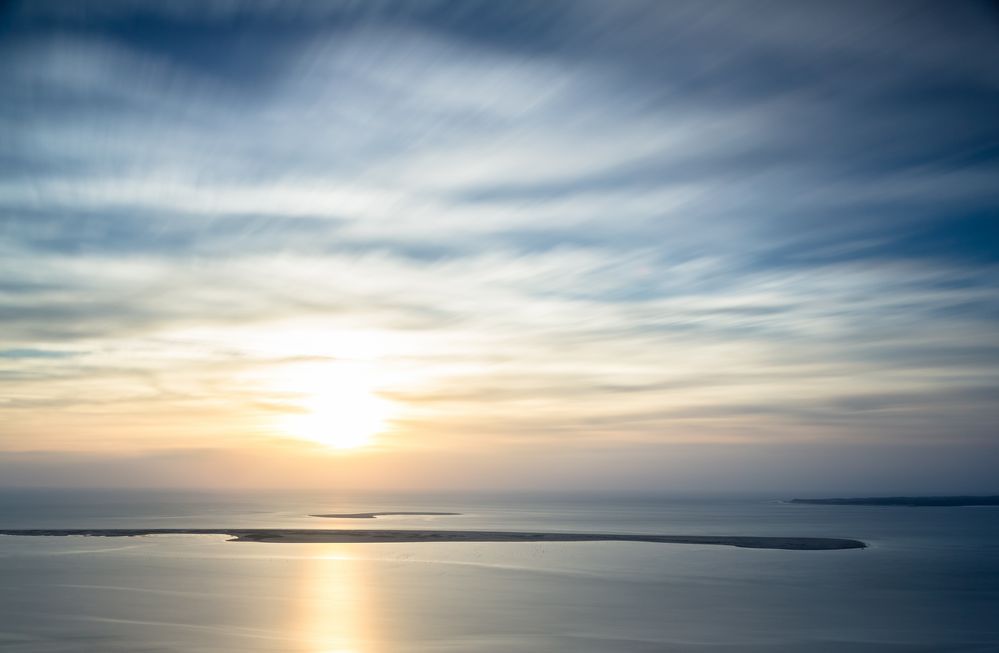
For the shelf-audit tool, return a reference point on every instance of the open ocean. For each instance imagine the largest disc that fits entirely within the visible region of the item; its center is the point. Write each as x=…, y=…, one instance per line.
x=929, y=581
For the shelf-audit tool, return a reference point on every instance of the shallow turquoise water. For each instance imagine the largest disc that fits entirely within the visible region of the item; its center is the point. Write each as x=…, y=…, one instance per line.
x=929, y=582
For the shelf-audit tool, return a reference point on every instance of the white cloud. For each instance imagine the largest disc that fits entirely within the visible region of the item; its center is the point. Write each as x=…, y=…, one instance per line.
x=593, y=262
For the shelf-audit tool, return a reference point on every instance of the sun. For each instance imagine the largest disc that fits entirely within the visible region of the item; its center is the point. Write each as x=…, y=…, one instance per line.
x=341, y=420
x=336, y=406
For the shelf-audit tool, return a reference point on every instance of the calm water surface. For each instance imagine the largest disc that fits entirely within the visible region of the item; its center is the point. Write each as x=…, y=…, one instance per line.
x=929, y=582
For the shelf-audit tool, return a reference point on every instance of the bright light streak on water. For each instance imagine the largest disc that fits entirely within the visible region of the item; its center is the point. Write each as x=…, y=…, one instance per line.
x=929, y=582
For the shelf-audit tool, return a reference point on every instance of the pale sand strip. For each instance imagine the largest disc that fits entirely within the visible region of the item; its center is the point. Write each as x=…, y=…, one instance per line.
x=372, y=515
x=400, y=536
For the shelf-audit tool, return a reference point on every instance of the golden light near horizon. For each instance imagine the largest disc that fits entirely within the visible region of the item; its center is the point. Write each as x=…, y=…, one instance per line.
x=338, y=405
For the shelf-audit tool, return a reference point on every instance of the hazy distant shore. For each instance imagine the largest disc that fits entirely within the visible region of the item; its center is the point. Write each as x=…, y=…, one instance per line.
x=372, y=515
x=405, y=536
x=905, y=501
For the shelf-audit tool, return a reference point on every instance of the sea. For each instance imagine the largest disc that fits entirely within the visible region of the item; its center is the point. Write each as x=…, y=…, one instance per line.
x=928, y=581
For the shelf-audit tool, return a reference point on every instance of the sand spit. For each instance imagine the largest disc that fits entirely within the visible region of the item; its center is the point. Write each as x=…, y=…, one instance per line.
x=372, y=515
x=282, y=535
x=941, y=502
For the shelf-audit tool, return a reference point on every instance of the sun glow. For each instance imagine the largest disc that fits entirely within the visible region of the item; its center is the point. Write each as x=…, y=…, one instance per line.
x=337, y=405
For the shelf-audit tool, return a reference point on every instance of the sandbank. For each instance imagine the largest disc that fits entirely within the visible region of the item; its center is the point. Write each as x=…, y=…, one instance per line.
x=367, y=536
x=372, y=515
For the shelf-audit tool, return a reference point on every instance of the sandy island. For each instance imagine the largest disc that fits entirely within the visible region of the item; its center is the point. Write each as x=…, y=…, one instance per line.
x=404, y=536
x=372, y=515
x=940, y=502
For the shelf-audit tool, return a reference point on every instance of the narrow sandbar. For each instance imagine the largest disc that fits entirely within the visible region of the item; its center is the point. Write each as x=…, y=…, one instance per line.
x=367, y=536
x=913, y=502
x=372, y=515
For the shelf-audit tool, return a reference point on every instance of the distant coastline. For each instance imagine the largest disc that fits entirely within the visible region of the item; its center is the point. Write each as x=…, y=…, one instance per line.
x=905, y=501
x=372, y=515
x=281, y=535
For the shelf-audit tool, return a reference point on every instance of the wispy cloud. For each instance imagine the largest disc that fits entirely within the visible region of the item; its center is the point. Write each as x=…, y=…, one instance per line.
x=640, y=225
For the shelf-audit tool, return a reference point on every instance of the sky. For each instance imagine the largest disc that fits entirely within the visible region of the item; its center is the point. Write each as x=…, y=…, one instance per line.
x=649, y=246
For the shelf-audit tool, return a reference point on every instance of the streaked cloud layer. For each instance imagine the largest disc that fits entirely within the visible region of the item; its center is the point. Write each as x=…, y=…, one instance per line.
x=608, y=236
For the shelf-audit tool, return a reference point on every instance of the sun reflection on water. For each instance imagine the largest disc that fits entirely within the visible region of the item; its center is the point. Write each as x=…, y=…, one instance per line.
x=336, y=613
